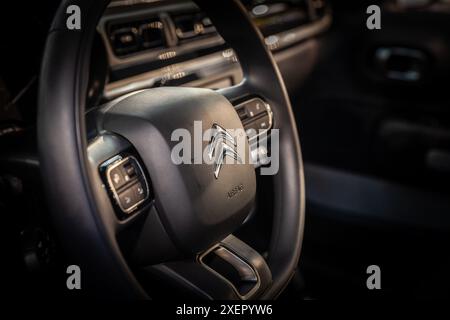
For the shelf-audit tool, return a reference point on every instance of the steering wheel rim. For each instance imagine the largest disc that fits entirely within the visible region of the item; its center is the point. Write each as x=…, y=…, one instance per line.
x=63, y=145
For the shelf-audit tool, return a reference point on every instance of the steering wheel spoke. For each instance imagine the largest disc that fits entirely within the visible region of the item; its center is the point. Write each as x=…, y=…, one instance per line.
x=137, y=230
x=228, y=270
x=236, y=92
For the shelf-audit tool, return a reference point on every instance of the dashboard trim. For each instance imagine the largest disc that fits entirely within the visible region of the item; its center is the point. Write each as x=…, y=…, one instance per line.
x=152, y=54
x=148, y=79
x=207, y=67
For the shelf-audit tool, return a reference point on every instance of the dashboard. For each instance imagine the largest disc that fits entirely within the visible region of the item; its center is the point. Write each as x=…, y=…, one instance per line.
x=150, y=44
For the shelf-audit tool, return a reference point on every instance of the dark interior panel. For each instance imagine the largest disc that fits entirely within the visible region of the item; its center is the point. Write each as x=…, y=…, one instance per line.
x=374, y=122
x=357, y=115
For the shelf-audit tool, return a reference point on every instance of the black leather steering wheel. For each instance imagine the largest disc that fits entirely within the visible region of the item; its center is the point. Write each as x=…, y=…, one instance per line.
x=190, y=211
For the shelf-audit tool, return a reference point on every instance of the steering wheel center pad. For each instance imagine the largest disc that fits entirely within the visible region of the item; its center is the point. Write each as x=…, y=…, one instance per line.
x=194, y=205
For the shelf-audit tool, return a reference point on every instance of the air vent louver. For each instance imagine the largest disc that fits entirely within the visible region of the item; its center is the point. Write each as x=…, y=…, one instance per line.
x=192, y=25
x=131, y=37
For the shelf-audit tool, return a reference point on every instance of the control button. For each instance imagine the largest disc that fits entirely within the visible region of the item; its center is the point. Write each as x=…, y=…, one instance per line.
x=139, y=191
x=127, y=183
x=127, y=199
x=128, y=170
x=264, y=123
x=261, y=123
x=116, y=177
x=255, y=107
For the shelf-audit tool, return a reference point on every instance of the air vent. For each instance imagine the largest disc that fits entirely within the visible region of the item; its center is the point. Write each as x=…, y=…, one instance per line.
x=134, y=36
x=192, y=25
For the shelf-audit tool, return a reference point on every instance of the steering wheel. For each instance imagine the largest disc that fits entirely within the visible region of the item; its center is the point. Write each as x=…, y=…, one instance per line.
x=181, y=228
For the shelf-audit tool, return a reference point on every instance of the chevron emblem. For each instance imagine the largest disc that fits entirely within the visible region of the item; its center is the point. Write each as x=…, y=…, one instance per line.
x=221, y=145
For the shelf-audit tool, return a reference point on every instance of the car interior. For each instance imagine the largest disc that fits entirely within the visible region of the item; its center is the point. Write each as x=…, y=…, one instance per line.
x=362, y=117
